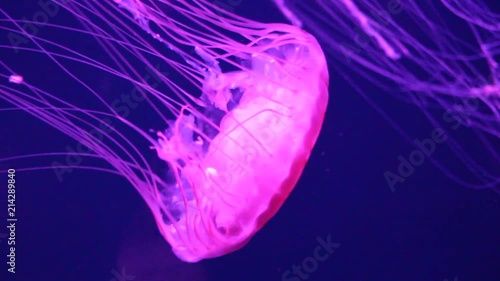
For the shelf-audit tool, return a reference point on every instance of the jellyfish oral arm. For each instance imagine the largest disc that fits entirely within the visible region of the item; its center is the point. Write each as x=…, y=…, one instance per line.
x=218, y=87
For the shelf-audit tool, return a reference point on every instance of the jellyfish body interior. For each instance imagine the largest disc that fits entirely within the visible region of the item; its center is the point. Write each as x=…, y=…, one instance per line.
x=225, y=184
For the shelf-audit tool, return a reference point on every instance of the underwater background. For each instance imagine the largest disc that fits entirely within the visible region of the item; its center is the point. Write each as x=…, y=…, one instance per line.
x=94, y=226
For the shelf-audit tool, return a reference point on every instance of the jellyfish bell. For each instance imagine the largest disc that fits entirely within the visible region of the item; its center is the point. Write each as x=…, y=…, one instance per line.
x=232, y=189
x=228, y=192
x=225, y=194
x=235, y=149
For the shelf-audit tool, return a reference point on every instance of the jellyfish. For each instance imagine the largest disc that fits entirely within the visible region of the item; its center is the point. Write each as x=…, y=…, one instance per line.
x=238, y=111
x=440, y=56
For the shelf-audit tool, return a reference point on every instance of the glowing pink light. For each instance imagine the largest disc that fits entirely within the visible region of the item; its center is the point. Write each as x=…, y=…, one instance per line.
x=229, y=175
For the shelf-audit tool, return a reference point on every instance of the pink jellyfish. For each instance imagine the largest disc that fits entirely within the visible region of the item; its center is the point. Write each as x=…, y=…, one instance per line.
x=439, y=55
x=248, y=100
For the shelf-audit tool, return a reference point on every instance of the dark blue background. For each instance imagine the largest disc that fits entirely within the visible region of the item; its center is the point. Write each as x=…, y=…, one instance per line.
x=429, y=229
